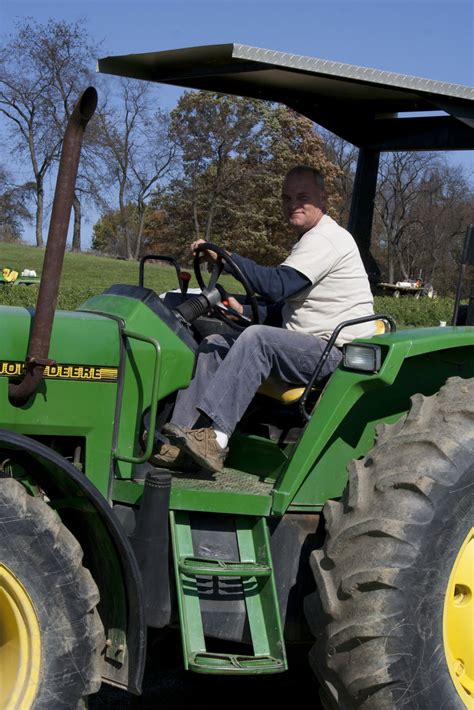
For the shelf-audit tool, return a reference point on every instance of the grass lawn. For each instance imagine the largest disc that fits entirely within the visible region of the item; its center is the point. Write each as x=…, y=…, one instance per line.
x=88, y=271
x=84, y=275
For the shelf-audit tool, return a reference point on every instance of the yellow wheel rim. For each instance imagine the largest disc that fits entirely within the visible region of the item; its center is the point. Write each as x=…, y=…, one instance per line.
x=20, y=644
x=458, y=622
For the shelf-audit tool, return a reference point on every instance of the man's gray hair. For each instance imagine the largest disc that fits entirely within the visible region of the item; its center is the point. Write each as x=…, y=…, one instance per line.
x=308, y=170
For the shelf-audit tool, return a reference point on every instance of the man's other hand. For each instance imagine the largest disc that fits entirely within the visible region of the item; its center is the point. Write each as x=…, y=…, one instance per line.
x=235, y=305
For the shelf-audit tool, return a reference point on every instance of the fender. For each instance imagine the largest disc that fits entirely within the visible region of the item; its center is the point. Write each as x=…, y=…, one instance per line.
x=107, y=554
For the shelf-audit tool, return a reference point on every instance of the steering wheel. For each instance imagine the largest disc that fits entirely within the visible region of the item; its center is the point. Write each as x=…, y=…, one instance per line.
x=224, y=313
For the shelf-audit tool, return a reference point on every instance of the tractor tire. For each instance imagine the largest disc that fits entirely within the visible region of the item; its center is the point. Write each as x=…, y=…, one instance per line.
x=393, y=612
x=50, y=633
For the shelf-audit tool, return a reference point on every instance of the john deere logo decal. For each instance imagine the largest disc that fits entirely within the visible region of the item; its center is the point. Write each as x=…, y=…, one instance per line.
x=89, y=373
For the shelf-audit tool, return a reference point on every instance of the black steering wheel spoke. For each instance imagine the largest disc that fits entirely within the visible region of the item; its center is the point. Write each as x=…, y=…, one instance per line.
x=225, y=313
x=217, y=269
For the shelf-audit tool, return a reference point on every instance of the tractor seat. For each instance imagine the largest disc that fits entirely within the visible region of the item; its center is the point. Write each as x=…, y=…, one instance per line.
x=288, y=394
x=281, y=391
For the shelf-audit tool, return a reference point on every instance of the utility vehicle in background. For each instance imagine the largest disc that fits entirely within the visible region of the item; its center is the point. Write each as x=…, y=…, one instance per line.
x=10, y=277
x=411, y=287
x=343, y=519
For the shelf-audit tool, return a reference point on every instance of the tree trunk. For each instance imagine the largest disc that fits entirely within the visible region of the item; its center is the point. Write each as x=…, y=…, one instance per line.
x=124, y=222
x=391, y=271
x=390, y=260
x=402, y=265
x=195, y=215
x=76, y=230
x=138, y=243
x=39, y=213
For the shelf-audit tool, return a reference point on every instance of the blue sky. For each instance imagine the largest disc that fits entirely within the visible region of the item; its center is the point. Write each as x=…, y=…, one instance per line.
x=430, y=38
x=427, y=38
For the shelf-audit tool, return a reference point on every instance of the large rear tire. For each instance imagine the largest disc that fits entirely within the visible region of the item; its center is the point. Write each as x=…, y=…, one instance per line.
x=50, y=633
x=395, y=576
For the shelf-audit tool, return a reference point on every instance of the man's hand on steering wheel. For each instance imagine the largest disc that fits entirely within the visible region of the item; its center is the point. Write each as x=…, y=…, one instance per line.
x=232, y=311
x=207, y=255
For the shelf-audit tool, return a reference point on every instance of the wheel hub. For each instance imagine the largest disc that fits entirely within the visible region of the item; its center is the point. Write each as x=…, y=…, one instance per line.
x=458, y=627
x=20, y=644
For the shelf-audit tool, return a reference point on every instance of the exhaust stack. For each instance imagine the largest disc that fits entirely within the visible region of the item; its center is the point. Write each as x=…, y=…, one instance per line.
x=40, y=335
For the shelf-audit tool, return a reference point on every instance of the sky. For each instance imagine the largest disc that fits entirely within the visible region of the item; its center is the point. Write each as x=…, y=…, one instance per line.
x=425, y=38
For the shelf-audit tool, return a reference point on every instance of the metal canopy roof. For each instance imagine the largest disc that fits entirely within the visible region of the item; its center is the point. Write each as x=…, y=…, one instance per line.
x=359, y=104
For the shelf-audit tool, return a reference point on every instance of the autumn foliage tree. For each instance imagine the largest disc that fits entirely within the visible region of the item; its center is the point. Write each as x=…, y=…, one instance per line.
x=235, y=153
x=215, y=134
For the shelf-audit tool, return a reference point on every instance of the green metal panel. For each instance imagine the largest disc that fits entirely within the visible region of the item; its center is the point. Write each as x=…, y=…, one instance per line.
x=177, y=358
x=342, y=427
x=343, y=423
x=254, y=454
x=67, y=407
x=176, y=365
x=81, y=338
x=228, y=491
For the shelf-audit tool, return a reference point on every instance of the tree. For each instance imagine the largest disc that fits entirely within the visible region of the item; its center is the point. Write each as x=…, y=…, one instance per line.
x=344, y=155
x=214, y=133
x=402, y=177
x=137, y=154
x=444, y=209
x=235, y=153
x=13, y=210
x=422, y=208
x=107, y=232
x=43, y=69
x=290, y=139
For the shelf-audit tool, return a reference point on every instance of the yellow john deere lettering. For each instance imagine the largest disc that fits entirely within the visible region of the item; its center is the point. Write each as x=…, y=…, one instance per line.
x=89, y=373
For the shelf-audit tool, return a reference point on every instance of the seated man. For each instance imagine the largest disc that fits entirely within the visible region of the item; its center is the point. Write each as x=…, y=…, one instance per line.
x=322, y=283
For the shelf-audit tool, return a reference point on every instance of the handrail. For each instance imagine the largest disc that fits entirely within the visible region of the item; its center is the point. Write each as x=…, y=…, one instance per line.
x=183, y=276
x=153, y=400
x=327, y=349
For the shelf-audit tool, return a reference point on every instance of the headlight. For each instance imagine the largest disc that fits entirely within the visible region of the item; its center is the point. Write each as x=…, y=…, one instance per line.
x=362, y=356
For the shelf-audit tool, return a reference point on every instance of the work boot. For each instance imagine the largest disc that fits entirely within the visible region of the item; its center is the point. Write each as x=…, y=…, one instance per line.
x=200, y=444
x=172, y=458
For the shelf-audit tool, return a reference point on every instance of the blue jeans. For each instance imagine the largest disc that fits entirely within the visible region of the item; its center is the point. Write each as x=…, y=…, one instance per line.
x=230, y=369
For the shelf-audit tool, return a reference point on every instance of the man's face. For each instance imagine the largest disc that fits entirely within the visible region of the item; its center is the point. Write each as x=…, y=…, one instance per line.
x=303, y=202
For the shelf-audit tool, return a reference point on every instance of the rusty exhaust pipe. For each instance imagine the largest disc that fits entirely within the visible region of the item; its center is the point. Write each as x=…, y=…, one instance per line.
x=40, y=334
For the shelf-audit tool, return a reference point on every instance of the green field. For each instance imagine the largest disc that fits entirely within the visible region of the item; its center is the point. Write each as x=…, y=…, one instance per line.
x=85, y=275
x=82, y=276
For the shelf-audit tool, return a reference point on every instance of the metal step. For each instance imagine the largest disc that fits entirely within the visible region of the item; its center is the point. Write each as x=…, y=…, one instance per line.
x=263, y=613
x=222, y=568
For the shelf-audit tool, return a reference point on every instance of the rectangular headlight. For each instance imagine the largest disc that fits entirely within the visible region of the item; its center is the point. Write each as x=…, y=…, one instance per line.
x=362, y=356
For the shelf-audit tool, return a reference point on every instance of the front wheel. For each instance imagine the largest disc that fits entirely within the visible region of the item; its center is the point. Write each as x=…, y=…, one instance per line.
x=396, y=574
x=50, y=633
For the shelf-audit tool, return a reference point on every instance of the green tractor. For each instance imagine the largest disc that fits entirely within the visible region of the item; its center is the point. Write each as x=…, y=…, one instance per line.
x=343, y=519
